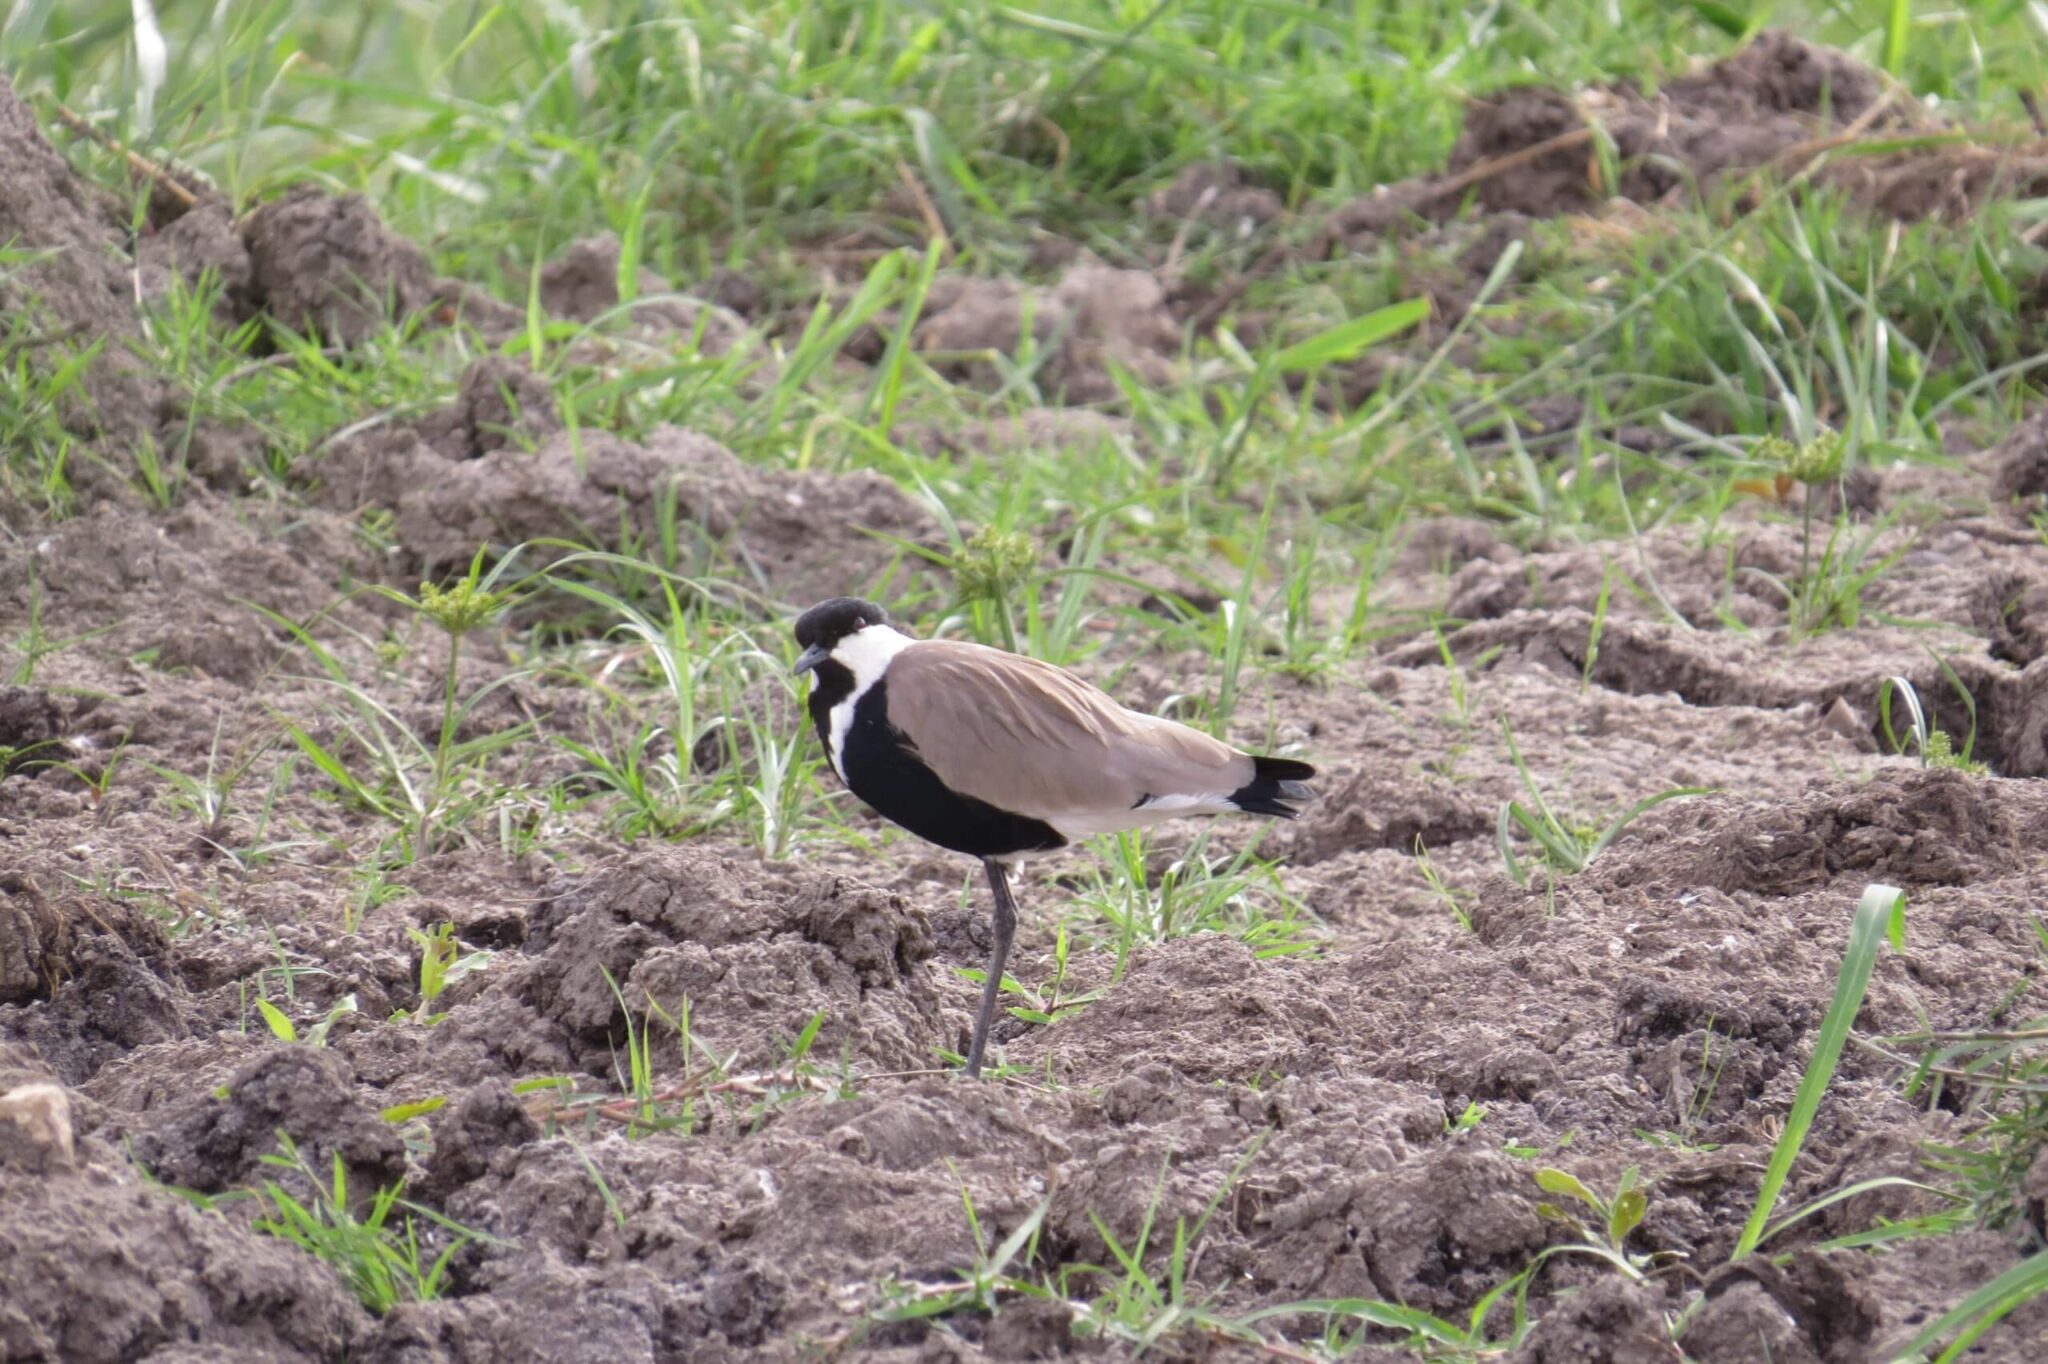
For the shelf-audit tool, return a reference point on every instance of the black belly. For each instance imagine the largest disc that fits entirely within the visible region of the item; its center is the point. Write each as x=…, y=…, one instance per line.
x=883, y=769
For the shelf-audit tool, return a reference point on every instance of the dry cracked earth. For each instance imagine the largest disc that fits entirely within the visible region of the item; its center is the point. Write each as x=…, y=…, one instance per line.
x=1655, y=1011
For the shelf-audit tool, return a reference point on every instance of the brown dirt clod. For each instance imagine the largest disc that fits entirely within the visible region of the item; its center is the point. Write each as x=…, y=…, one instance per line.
x=1215, y=193
x=103, y=1270
x=683, y=925
x=326, y=265
x=810, y=534
x=214, y=1143
x=582, y=285
x=1095, y=320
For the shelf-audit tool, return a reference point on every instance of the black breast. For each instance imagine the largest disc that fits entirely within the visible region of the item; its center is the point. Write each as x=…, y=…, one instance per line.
x=884, y=769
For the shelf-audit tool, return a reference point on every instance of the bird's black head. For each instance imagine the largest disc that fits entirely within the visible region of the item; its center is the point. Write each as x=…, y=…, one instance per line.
x=821, y=628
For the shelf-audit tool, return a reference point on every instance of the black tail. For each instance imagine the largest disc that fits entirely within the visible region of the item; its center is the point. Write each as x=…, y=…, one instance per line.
x=1279, y=786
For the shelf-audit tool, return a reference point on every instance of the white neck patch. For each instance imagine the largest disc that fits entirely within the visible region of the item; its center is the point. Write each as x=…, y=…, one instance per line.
x=865, y=654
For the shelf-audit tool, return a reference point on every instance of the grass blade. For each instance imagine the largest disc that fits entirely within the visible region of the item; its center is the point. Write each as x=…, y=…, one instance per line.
x=1845, y=1193
x=1347, y=339
x=1898, y=19
x=1629, y=816
x=1503, y=835
x=1868, y=931
x=278, y=1021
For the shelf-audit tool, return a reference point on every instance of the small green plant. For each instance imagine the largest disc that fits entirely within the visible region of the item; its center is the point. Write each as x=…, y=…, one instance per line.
x=720, y=741
x=650, y=761
x=34, y=643
x=1452, y=900
x=442, y=963
x=1995, y=1079
x=636, y=1077
x=1140, y=1299
x=773, y=767
x=1827, y=591
x=1941, y=752
x=1050, y=1002
x=1698, y=1099
x=1601, y=601
x=990, y=568
x=371, y=888
x=1606, y=1234
x=382, y=1262
x=161, y=480
x=284, y=1030
x=1346, y=1322
x=1239, y=894
x=1468, y=1119
x=1457, y=681
x=681, y=1103
x=1304, y=652
x=644, y=778
x=426, y=790
x=1933, y=745
x=1566, y=848
x=95, y=774
x=399, y=1114
x=42, y=389
x=1136, y=1305
x=1814, y=464
x=602, y=1185
x=1880, y=917
x=210, y=796
x=1236, y=619
x=981, y=1288
x=1965, y=1323
x=458, y=609
x=15, y=758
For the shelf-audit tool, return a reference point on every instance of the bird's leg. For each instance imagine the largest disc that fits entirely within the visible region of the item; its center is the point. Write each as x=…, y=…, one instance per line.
x=1005, y=928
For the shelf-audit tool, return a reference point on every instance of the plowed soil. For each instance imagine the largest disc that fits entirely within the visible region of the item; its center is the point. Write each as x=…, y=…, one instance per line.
x=1655, y=1011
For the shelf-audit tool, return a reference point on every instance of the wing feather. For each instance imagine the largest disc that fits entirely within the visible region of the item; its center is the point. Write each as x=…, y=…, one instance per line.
x=1033, y=738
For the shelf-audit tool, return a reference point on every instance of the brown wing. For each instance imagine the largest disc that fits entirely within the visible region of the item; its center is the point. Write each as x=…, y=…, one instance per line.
x=1030, y=737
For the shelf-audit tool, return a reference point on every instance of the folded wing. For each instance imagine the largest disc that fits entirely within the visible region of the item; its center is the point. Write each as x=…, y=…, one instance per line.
x=1032, y=738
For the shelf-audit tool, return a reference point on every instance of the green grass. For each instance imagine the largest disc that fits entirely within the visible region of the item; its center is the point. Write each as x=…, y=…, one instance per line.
x=1124, y=904
x=753, y=125
x=384, y=1260
x=1566, y=846
x=1141, y=1297
x=706, y=137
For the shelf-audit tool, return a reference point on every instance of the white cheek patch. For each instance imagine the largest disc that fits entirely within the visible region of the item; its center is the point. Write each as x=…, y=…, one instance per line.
x=866, y=654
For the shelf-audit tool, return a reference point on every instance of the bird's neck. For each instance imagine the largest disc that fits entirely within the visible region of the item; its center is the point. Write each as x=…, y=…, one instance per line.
x=866, y=654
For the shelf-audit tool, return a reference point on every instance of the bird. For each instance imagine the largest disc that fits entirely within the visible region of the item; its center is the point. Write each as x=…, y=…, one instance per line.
x=1004, y=757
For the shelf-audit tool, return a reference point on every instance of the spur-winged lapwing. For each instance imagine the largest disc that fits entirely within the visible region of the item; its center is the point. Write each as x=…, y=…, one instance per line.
x=1002, y=757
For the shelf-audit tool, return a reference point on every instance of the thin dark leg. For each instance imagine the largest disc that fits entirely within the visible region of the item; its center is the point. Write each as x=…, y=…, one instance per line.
x=1004, y=928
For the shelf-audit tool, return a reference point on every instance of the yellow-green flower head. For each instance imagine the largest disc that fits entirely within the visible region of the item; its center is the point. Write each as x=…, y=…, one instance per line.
x=1819, y=460
x=993, y=562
